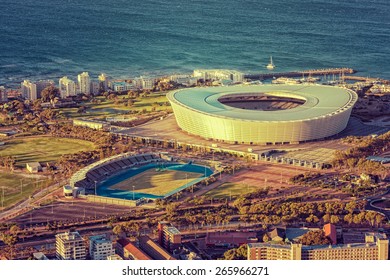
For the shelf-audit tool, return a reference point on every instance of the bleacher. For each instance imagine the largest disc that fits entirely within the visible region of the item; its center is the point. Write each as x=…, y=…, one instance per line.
x=98, y=171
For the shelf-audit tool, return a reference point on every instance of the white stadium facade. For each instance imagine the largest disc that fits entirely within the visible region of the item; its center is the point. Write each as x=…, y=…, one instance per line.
x=263, y=114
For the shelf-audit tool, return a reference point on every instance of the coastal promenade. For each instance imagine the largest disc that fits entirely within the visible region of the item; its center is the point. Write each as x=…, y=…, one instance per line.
x=292, y=74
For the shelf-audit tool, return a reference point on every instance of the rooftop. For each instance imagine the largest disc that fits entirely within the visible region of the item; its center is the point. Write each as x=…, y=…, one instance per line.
x=173, y=230
x=136, y=252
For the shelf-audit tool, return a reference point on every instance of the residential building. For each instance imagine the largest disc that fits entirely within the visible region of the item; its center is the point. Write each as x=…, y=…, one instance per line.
x=3, y=94
x=122, y=86
x=153, y=249
x=129, y=251
x=103, y=82
x=147, y=83
x=100, y=247
x=144, y=83
x=169, y=237
x=378, y=250
x=84, y=83
x=186, y=80
x=67, y=87
x=70, y=246
x=29, y=90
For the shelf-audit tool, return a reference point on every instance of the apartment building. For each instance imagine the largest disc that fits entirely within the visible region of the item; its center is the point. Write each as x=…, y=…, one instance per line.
x=169, y=237
x=29, y=90
x=70, y=246
x=100, y=247
x=67, y=87
x=84, y=83
x=375, y=248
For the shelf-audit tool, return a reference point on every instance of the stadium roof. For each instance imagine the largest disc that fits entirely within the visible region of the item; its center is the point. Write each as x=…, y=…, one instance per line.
x=320, y=101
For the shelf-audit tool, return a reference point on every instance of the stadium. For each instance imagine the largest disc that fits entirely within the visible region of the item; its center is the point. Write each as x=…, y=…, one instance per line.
x=263, y=114
x=133, y=177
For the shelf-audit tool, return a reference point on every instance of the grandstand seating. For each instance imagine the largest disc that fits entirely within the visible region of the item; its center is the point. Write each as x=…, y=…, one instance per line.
x=86, y=178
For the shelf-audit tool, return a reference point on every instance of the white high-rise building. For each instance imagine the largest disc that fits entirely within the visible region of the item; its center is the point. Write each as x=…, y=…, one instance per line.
x=100, y=247
x=67, y=87
x=84, y=83
x=147, y=83
x=29, y=90
x=70, y=246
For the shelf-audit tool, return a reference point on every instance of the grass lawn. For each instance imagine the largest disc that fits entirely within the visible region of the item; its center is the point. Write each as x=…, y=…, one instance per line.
x=42, y=149
x=230, y=189
x=108, y=108
x=157, y=182
x=17, y=187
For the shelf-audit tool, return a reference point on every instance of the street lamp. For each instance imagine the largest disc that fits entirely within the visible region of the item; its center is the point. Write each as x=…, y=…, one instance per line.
x=133, y=193
x=95, y=187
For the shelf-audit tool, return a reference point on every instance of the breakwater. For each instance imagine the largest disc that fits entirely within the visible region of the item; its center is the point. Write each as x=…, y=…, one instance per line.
x=293, y=74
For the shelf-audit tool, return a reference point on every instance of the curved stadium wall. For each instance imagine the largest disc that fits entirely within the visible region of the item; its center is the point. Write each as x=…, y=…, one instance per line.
x=325, y=112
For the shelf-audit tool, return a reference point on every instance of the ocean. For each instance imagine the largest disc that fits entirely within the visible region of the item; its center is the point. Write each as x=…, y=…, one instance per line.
x=47, y=39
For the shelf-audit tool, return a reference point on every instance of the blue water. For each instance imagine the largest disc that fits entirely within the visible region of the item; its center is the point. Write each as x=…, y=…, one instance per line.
x=104, y=188
x=127, y=38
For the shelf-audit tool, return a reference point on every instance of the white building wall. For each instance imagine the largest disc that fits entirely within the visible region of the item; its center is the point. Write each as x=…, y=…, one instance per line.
x=84, y=83
x=67, y=87
x=29, y=90
x=256, y=131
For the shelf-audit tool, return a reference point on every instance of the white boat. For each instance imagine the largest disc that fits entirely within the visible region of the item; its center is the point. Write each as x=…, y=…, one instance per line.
x=270, y=65
x=285, y=81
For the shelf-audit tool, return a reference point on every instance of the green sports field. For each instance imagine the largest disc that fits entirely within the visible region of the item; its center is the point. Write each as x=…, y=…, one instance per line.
x=42, y=149
x=157, y=182
x=17, y=187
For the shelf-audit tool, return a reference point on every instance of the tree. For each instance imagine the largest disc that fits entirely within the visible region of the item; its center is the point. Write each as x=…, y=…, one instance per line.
x=316, y=237
x=326, y=218
x=118, y=230
x=239, y=253
x=8, y=239
x=130, y=103
x=171, y=208
x=334, y=219
x=14, y=229
x=350, y=206
x=312, y=219
x=348, y=218
x=240, y=202
x=379, y=219
x=50, y=93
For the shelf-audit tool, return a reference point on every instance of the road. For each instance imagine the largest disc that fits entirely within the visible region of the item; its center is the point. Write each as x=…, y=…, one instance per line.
x=27, y=204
